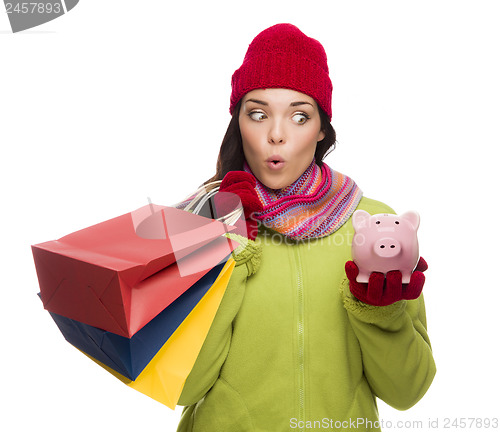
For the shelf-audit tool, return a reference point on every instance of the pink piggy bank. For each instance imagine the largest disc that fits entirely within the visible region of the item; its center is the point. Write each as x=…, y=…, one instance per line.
x=385, y=242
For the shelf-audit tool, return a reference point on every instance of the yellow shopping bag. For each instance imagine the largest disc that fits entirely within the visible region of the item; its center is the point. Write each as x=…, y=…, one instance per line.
x=164, y=377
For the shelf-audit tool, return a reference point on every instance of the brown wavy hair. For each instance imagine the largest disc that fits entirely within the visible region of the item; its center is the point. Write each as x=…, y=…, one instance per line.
x=231, y=156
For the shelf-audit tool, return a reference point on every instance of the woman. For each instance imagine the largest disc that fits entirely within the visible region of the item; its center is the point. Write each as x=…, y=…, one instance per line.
x=297, y=343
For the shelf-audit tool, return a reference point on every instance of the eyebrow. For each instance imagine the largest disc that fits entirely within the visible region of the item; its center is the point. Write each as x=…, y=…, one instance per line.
x=293, y=104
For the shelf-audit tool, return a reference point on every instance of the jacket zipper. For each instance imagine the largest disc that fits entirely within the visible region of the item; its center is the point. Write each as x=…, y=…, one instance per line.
x=300, y=335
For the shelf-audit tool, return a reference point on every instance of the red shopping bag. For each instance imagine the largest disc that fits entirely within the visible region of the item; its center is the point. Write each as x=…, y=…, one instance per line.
x=119, y=274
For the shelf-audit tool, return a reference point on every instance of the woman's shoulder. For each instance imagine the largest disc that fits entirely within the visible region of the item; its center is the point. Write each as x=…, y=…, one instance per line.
x=373, y=206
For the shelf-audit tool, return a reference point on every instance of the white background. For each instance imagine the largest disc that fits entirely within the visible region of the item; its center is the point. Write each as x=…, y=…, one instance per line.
x=122, y=100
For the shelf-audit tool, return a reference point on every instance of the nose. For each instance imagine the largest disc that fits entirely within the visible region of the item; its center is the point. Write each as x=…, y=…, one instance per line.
x=387, y=247
x=276, y=133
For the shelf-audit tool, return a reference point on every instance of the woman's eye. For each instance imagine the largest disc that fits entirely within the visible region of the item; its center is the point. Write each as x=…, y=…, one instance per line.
x=257, y=115
x=300, y=118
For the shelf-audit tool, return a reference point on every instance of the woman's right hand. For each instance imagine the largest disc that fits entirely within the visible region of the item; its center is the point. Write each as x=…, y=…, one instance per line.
x=243, y=184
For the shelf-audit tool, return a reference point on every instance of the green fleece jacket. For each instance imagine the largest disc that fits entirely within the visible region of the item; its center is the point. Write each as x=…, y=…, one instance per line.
x=291, y=349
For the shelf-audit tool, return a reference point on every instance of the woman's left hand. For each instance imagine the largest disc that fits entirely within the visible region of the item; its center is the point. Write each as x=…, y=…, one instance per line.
x=383, y=291
x=242, y=184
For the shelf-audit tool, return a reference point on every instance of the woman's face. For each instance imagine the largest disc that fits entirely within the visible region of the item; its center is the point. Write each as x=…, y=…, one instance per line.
x=280, y=129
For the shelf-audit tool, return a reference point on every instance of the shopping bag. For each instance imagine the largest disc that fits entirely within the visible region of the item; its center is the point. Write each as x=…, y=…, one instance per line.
x=110, y=277
x=165, y=375
x=129, y=356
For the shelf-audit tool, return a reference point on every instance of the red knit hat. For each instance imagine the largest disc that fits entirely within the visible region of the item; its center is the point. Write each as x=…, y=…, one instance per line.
x=284, y=57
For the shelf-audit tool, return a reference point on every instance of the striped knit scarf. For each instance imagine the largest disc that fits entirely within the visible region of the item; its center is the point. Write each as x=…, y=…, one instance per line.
x=317, y=204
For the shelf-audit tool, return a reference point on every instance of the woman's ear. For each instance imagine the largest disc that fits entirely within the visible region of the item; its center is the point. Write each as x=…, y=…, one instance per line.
x=321, y=135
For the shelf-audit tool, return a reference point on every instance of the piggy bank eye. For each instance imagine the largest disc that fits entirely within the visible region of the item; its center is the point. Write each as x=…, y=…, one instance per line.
x=396, y=222
x=377, y=222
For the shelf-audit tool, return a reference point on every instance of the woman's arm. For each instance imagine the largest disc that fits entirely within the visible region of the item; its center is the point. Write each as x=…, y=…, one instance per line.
x=216, y=346
x=397, y=355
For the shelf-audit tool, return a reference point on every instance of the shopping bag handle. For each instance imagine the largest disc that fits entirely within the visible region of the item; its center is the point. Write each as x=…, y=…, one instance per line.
x=202, y=195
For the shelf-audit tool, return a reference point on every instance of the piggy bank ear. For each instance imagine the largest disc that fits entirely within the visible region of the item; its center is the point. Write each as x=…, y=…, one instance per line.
x=360, y=219
x=412, y=217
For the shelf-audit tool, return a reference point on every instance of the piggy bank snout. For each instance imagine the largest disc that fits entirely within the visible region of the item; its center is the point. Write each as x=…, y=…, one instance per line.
x=387, y=247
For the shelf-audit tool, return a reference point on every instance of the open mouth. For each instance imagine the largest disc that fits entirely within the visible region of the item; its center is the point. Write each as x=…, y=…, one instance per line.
x=276, y=158
x=275, y=163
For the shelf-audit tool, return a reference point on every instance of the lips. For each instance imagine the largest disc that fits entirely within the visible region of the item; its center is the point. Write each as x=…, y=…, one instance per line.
x=275, y=158
x=275, y=162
